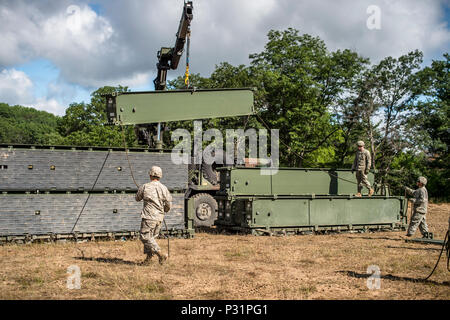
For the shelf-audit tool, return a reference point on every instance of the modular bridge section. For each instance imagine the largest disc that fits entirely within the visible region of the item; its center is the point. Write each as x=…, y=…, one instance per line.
x=44, y=190
x=297, y=200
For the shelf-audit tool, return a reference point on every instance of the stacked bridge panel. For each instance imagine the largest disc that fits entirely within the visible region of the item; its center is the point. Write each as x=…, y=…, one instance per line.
x=44, y=191
x=77, y=170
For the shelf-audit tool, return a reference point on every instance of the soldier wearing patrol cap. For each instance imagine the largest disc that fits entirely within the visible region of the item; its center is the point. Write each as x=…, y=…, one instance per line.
x=157, y=201
x=420, y=208
x=361, y=165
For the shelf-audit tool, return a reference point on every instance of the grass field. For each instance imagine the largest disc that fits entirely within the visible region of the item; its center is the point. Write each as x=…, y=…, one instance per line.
x=212, y=266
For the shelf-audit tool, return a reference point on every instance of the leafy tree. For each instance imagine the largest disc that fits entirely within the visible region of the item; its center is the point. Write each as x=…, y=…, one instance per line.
x=85, y=124
x=298, y=83
x=22, y=125
x=428, y=126
x=395, y=89
x=301, y=81
x=378, y=106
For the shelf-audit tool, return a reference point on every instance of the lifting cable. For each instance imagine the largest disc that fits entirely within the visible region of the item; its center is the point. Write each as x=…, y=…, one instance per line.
x=134, y=180
x=128, y=159
x=186, y=74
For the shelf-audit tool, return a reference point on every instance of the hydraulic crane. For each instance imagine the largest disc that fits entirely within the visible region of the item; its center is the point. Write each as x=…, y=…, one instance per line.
x=168, y=58
x=147, y=110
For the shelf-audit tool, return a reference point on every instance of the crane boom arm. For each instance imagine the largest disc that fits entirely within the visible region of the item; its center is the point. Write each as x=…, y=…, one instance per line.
x=168, y=58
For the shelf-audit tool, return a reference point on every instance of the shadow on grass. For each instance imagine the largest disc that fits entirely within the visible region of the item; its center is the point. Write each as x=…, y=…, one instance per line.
x=409, y=248
x=394, y=278
x=378, y=238
x=209, y=230
x=222, y=231
x=110, y=260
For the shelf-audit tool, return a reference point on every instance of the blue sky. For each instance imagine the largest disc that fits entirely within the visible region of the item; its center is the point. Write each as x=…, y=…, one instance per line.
x=55, y=53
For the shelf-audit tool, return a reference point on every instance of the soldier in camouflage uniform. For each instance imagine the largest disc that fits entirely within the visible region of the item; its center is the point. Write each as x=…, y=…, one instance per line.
x=157, y=201
x=419, y=209
x=362, y=165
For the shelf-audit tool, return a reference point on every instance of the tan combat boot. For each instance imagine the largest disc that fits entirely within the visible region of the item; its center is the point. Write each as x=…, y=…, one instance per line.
x=358, y=195
x=147, y=260
x=371, y=192
x=162, y=257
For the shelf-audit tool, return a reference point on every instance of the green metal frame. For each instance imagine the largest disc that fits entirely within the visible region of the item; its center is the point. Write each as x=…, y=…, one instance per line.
x=131, y=108
x=288, y=181
x=300, y=199
x=189, y=212
x=313, y=213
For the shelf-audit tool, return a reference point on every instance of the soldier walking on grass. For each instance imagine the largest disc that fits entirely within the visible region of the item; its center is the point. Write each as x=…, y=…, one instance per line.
x=420, y=208
x=157, y=201
x=361, y=165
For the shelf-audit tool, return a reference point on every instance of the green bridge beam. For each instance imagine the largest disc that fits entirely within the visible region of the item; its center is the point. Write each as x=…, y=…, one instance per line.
x=130, y=108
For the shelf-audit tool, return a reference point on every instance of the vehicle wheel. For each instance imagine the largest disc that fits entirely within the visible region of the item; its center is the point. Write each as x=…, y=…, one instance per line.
x=209, y=170
x=210, y=174
x=205, y=210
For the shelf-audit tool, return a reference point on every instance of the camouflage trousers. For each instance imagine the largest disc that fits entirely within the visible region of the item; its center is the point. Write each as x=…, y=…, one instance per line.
x=361, y=180
x=149, y=232
x=417, y=220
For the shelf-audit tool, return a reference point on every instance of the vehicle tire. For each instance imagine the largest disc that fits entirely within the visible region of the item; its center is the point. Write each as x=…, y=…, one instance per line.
x=209, y=170
x=205, y=210
x=210, y=174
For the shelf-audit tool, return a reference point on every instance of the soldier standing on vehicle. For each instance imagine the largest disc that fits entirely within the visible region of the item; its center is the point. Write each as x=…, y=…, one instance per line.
x=419, y=209
x=157, y=201
x=361, y=165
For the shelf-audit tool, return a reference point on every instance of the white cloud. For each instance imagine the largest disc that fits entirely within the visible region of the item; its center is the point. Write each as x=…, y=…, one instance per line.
x=119, y=45
x=73, y=37
x=50, y=105
x=16, y=88
x=231, y=30
x=77, y=29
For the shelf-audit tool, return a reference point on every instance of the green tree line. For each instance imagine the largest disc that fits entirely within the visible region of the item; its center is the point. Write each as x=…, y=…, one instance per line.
x=322, y=102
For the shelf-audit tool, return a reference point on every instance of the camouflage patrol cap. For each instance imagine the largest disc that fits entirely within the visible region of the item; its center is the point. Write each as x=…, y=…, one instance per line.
x=360, y=143
x=422, y=180
x=155, y=171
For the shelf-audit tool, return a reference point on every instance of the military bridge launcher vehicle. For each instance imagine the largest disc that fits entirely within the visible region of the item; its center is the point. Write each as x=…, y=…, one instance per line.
x=44, y=190
x=57, y=193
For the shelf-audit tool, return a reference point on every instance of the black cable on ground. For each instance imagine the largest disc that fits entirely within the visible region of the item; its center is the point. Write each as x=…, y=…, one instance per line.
x=444, y=246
